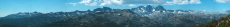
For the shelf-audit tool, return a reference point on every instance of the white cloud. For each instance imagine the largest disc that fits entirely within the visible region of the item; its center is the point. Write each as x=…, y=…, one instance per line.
x=89, y=2
x=223, y=1
x=168, y=3
x=85, y=1
x=195, y=2
x=92, y=4
x=119, y=2
x=110, y=2
x=74, y=4
x=132, y=5
x=183, y=2
x=130, y=2
x=143, y=1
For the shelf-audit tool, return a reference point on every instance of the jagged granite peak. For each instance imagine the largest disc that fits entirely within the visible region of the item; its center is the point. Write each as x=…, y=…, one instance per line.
x=139, y=9
x=104, y=9
x=142, y=10
x=88, y=10
x=160, y=8
x=149, y=8
x=36, y=12
x=76, y=10
x=97, y=9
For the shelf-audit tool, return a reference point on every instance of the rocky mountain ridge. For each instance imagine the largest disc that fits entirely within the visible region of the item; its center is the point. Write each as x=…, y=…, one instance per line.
x=142, y=16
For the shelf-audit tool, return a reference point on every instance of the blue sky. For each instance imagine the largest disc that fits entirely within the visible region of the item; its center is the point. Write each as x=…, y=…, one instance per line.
x=45, y=6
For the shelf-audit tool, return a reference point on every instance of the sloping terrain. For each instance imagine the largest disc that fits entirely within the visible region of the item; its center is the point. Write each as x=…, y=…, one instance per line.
x=223, y=22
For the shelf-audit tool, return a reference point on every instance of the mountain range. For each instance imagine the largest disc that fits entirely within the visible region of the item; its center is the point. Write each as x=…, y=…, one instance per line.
x=142, y=16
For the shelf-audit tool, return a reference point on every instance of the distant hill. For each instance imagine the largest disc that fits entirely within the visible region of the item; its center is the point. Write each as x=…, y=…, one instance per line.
x=222, y=22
